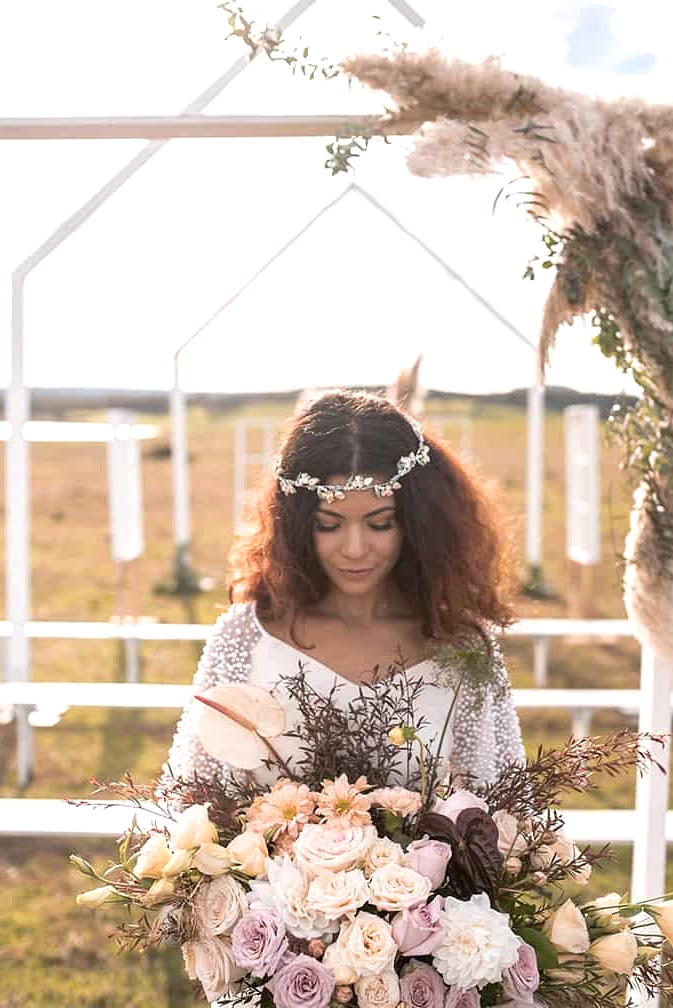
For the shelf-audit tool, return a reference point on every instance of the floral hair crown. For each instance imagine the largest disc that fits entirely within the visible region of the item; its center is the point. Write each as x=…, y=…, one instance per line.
x=331, y=491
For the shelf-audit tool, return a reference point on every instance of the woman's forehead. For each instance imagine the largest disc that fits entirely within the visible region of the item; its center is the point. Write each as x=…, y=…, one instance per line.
x=356, y=503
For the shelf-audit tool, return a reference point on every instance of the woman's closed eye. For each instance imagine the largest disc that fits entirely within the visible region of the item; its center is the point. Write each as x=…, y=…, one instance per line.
x=333, y=526
x=322, y=527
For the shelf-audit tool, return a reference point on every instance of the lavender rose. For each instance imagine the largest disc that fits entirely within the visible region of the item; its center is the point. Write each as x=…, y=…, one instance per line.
x=523, y=977
x=457, y=998
x=259, y=941
x=429, y=858
x=302, y=983
x=422, y=986
x=418, y=931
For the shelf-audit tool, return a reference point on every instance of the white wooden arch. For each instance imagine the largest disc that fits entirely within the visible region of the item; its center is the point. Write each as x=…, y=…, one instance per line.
x=183, y=572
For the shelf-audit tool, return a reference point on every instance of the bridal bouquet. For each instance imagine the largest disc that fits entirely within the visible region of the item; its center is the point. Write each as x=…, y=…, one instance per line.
x=391, y=888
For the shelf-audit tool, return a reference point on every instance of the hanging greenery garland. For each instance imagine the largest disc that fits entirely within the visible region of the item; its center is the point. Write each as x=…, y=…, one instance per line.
x=597, y=176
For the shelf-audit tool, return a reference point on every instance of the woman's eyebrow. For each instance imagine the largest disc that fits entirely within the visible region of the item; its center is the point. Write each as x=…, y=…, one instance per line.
x=370, y=514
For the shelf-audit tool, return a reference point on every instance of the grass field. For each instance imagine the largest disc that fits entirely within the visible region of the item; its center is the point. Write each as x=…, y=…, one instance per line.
x=52, y=954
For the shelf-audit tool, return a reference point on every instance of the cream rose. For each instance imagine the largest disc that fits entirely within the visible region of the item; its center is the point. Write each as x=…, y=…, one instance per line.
x=382, y=852
x=338, y=962
x=319, y=848
x=616, y=953
x=248, y=851
x=219, y=905
x=510, y=840
x=212, y=859
x=368, y=943
x=192, y=828
x=395, y=887
x=567, y=929
x=211, y=962
x=336, y=894
x=380, y=991
x=152, y=857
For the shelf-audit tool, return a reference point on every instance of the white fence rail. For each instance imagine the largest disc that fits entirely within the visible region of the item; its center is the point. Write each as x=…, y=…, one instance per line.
x=648, y=826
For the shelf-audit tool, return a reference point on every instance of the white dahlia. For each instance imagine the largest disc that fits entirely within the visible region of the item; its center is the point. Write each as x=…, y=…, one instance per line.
x=477, y=943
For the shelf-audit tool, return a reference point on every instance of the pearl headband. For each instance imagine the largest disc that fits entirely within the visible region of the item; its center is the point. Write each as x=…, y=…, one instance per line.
x=331, y=491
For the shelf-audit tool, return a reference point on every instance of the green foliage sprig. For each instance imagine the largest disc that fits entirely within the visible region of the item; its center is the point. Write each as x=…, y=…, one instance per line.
x=267, y=39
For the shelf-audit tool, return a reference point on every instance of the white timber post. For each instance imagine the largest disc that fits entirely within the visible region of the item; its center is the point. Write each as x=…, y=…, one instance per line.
x=17, y=530
x=180, y=470
x=534, y=481
x=648, y=867
x=649, y=850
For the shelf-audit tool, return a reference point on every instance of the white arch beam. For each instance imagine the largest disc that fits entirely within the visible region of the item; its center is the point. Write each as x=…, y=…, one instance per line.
x=164, y=128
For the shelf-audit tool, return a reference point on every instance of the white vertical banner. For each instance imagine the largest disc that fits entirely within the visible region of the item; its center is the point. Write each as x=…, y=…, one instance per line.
x=582, y=486
x=124, y=489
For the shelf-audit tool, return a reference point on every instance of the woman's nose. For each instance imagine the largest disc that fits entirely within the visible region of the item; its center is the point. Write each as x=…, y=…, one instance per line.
x=354, y=544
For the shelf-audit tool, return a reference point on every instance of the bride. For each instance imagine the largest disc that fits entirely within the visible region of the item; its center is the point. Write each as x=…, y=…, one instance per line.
x=369, y=546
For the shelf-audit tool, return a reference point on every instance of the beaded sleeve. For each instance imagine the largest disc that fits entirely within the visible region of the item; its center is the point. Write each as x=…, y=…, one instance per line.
x=486, y=731
x=226, y=657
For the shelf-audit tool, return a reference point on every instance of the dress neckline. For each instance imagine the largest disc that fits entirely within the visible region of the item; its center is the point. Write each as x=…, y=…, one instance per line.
x=349, y=682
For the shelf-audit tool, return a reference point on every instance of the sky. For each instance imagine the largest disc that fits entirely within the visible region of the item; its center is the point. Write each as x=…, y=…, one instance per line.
x=353, y=299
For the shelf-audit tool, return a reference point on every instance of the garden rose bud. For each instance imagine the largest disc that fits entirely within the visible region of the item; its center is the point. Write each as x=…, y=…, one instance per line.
x=159, y=892
x=663, y=915
x=192, y=828
x=396, y=736
x=539, y=878
x=616, y=953
x=343, y=994
x=567, y=929
x=178, y=863
x=95, y=898
x=513, y=865
x=152, y=857
x=316, y=948
x=604, y=913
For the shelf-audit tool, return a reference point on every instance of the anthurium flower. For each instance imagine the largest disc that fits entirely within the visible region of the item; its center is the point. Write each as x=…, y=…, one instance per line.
x=235, y=723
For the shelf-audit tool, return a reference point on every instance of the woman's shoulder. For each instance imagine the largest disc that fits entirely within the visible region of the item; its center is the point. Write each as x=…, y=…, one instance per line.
x=227, y=653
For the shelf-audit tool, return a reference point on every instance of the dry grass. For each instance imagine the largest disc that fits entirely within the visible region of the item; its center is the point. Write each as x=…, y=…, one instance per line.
x=55, y=955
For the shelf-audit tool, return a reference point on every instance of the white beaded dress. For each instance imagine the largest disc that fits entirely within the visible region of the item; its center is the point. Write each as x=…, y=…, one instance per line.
x=483, y=737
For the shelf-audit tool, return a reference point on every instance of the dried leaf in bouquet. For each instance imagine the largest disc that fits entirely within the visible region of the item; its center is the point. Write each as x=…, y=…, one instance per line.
x=475, y=863
x=234, y=723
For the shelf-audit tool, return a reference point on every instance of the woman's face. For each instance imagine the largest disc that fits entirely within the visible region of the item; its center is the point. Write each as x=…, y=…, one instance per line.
x=358, y=540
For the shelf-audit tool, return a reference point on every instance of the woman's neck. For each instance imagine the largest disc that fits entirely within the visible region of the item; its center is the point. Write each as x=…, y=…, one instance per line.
x=362, y=610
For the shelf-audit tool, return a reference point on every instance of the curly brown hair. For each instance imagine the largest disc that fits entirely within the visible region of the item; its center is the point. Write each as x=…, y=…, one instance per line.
x=451, y=569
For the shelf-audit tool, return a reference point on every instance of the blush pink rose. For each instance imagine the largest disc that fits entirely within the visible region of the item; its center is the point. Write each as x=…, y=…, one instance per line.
x=452, y=806
x=523, y=977
x=429, y=858
x=418, y=931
